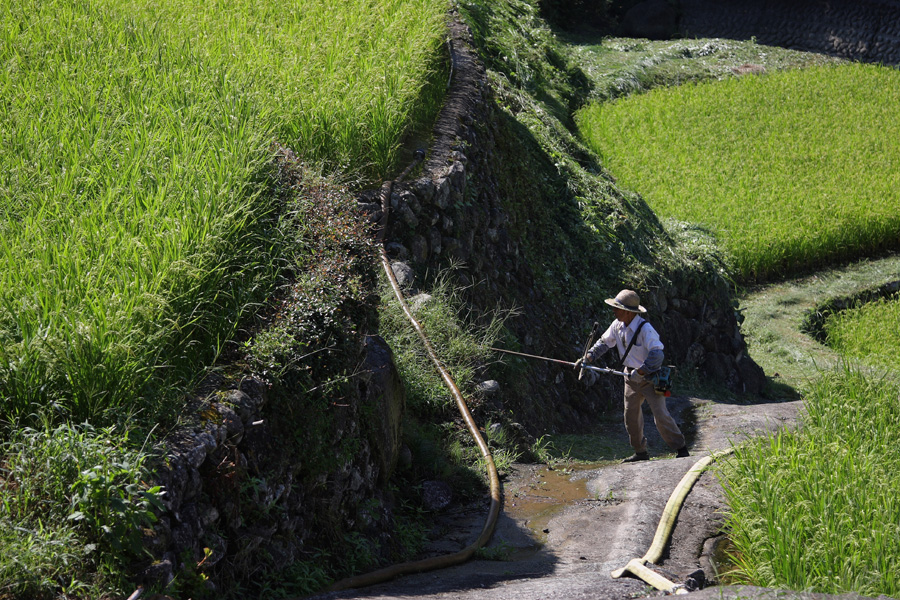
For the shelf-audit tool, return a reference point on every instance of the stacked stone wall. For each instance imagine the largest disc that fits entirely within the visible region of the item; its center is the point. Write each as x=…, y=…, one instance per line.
x=864, y=30
x=231, y=495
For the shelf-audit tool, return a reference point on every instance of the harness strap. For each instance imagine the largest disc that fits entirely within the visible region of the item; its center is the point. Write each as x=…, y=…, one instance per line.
x=633, y=340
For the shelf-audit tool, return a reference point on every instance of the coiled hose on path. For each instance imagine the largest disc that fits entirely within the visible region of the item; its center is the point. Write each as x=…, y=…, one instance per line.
x=448, y=560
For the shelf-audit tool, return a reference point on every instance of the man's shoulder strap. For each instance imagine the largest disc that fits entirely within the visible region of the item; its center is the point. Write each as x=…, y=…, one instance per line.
x=634, y=338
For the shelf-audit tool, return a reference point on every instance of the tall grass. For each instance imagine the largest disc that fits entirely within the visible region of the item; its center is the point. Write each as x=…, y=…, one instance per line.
x=818, y=509
x=53, y=543
x=338, y=82
x=133, y=197
x=459, y=339
x=868, y=333
x=792, y=170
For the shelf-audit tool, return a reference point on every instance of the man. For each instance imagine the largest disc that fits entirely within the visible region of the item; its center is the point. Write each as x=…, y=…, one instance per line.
x=642, y=356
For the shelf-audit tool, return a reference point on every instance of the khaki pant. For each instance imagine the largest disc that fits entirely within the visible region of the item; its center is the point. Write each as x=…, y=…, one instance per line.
x=635, y=394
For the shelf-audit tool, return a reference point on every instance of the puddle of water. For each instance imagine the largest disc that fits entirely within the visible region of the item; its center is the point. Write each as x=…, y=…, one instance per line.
x=723, y=561
x=546, y=495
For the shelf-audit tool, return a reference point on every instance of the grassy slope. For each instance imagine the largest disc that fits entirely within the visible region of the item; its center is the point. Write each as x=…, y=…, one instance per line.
x=585, y=235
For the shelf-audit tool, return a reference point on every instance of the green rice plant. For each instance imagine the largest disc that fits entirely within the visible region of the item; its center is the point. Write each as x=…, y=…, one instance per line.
x=817, y=509
x=791, y=170
x=135, y=196
x=868, y=333
x=337, y=82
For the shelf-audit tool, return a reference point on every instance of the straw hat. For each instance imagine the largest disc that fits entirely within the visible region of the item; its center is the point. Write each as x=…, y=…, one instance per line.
x=627, y=300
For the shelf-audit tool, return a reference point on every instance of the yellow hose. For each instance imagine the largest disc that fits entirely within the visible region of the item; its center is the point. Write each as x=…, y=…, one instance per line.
x=437, y=562
x=636, y=565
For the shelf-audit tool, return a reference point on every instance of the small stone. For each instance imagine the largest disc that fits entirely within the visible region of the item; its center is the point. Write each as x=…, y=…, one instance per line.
x=406, y=277
x=489, y=387
x=397, y=250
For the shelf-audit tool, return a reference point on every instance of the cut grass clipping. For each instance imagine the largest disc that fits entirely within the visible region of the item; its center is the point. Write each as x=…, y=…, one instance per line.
x=792, y=170
x=818, y=510
x=133, y=140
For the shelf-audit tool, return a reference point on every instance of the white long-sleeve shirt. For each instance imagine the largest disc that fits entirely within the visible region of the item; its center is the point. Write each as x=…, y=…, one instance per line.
x=647, y=346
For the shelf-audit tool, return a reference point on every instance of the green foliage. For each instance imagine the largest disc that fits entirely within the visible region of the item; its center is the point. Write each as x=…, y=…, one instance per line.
x=301, y=578
x=521, y=50
x=307, y=344
x=760, y=162
x=498, y=440
x=568, y=208
x=499, y=552
x=327, y=299
x=460, y=338
x=545, y=451
x=868, y=333
x=134, y=197
x=818, y=509
x=441, y=446
x=70, y=496
x=111, y=500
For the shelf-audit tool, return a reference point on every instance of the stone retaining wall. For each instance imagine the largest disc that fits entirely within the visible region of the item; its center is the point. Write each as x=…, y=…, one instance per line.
x=229, y=489
x=863, y=30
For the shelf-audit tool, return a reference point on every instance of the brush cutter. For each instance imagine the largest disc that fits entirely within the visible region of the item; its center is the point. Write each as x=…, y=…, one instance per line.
x=587, y=347
x=662, y=379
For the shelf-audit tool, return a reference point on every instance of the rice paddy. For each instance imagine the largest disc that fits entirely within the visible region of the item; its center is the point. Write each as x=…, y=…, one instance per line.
x=818, y=509
x=869, y=333
x=134, y=144
x=791, y=170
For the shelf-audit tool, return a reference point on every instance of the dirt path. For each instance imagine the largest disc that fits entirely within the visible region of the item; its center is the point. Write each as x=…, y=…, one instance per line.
x=563, y=531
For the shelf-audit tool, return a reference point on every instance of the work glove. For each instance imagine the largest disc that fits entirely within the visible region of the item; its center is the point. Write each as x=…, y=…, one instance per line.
x=585, y=360
x=633, y=375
